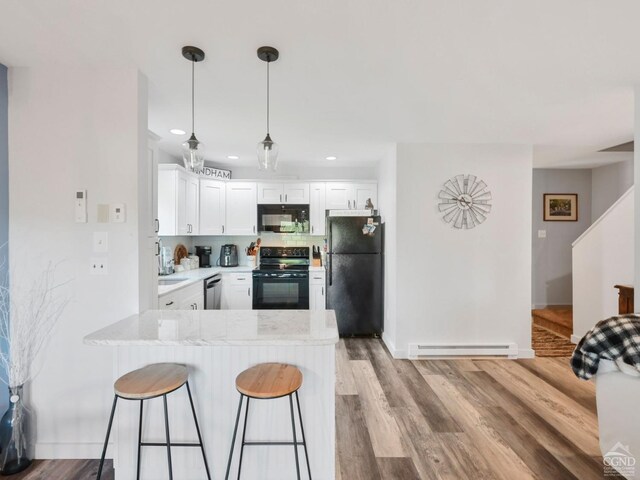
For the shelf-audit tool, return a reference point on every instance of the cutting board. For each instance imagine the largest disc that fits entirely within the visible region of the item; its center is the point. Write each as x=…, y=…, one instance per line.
x=179, y=253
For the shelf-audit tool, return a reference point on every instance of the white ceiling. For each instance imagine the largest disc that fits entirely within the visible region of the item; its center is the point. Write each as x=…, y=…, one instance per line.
x=358, y=75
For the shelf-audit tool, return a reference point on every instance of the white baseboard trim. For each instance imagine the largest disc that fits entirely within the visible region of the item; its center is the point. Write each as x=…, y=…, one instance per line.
x=71, y=451
x=575, y=339
x=397, y=354
x=526, y=353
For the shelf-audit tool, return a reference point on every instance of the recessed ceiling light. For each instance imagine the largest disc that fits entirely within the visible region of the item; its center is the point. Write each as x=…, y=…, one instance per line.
x=177, y=131
x=233, y=157
x=331, y=158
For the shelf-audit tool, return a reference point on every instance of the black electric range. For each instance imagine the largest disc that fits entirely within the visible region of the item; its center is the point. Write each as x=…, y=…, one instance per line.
x=281, y=282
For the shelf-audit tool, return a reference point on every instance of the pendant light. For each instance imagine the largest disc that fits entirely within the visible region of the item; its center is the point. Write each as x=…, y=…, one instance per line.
x=192, y=149
x=268, y=149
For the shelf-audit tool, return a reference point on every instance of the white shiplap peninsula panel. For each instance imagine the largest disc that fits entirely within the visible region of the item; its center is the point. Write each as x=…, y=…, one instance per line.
x=213, y=369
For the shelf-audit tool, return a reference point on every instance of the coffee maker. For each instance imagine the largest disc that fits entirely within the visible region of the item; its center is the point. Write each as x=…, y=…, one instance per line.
x=228, y=256
x=204, y=254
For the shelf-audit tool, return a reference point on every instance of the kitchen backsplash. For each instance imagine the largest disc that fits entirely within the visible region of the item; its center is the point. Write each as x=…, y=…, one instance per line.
x=268, y=239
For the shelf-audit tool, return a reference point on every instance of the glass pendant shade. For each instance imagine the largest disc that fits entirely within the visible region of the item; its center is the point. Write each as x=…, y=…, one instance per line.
x=268, y=154
x=192, y=154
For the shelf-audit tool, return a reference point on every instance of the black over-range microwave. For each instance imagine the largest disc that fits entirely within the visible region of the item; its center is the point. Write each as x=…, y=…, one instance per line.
x=283, y=218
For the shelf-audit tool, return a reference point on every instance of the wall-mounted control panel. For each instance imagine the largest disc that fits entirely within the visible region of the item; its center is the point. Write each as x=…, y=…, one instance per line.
x=81, y=206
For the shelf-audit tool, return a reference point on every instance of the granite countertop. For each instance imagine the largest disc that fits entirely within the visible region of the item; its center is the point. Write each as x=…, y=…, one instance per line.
x=197, y=275
x=221, y=327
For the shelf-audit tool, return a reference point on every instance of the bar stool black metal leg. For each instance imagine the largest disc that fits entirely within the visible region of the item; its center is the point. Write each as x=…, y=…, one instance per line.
x=304, y=440
x=295, y=440
x=195, y=419
x=106, y=440
x=244, y=431
x=233, y=440
x=139, y=440
x=166, y=428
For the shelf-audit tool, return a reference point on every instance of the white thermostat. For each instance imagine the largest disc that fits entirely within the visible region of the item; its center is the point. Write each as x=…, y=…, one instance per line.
x=81, y=206
x=118, y=213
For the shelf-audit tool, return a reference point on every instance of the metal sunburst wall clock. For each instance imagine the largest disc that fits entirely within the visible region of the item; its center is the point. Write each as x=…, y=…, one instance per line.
x=464, y=201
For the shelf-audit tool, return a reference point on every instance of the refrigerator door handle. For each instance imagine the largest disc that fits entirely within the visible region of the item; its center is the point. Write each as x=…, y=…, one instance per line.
x=330, y=269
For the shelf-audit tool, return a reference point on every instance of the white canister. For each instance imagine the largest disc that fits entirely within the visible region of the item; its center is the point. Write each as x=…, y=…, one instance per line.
x=186, y=263
x=251, y=260
x=195, y=261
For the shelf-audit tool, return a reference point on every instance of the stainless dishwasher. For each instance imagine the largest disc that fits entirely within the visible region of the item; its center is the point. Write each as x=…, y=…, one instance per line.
x=212, y=292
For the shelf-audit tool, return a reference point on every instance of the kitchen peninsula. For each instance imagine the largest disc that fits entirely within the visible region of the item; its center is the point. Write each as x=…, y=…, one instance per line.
x=216, y=345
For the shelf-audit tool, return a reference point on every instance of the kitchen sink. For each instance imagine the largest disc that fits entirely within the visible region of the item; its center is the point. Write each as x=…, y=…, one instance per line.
x=170, y=281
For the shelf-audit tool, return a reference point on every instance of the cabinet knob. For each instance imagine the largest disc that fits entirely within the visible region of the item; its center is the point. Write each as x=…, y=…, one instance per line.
x=168, y=304
x=157, y=225
x=249, y=291
x=222, y=228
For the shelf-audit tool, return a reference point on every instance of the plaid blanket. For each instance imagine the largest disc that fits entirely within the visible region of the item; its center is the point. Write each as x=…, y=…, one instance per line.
x=616, y=338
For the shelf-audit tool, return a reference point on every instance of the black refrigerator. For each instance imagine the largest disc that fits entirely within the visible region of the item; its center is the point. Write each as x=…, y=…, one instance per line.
x=355, y=274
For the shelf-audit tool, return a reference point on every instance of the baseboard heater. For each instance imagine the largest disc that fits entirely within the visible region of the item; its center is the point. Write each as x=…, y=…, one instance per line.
x=425, y=350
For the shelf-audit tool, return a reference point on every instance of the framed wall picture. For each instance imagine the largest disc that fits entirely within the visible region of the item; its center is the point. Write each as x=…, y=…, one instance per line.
x=560, y=207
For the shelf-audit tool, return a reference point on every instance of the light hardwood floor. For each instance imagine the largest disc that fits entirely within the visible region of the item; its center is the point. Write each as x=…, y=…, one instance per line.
x=456, y=419
x=462, y=419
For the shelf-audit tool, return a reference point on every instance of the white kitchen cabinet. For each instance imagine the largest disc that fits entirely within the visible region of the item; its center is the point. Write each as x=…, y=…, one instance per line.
x=349, y=195
x=339, y=196
x=178, y=201
x=187, y=298
x=237, y=291
x=171, y=301
x=363, y=192
x=270, y=193
x=194, y=302
x=241, y=208
x=317, y=291
x=317, y=207
x=284, y=193
x=148, y=183
x=212, y=207
x=150, y=207
x=296, y=193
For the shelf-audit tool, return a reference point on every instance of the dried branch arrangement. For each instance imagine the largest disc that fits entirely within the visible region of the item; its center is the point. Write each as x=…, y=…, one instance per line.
x=27, y=318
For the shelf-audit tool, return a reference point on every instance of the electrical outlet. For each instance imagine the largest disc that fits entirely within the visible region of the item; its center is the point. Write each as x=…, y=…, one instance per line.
x=99, y=266
x=542, y=234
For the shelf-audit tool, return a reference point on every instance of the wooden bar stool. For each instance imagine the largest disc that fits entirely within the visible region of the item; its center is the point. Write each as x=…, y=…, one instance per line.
x=156, y=380
x=268, y=381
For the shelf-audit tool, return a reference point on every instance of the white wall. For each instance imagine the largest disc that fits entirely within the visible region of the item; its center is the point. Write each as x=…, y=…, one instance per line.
x=602, y=257
x=71, y=129
x=387, y=197
x=470, y=286
x=608, y=184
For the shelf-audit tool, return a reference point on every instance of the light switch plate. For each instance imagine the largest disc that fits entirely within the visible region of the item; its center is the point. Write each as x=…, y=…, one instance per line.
x=100, y=242
x=118, y=213
x=542, y=234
